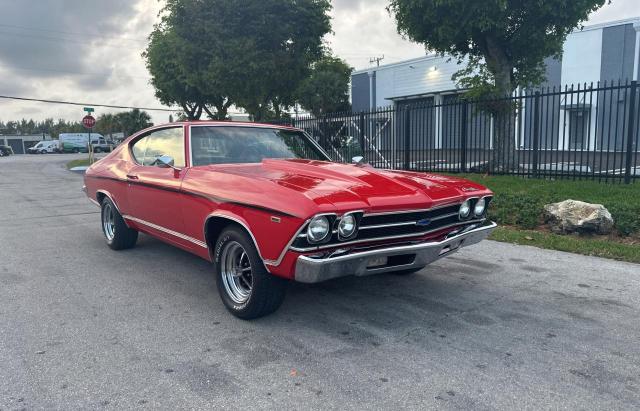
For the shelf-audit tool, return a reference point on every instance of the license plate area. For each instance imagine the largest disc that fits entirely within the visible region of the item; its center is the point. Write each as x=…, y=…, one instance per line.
x=392, y=261
x=377, y=262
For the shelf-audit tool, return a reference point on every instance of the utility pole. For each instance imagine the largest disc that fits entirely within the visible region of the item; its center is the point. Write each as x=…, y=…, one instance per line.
x=376, y=60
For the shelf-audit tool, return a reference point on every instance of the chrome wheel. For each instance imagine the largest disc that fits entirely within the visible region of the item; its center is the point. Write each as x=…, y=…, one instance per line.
x=108, y=221
x=236, y=272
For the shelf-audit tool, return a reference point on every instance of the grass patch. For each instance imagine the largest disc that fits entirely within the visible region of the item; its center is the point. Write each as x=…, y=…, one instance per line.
x=77, y=163
x=570, y=243
x=520, y=202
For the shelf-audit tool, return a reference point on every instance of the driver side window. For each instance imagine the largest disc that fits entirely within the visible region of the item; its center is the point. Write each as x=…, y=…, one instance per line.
x=168, y=141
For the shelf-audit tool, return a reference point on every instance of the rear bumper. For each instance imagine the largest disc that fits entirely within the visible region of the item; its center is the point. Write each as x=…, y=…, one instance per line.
x=407, y=257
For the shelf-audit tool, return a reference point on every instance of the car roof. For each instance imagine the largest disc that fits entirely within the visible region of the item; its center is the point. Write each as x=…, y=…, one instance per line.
x=233, y=123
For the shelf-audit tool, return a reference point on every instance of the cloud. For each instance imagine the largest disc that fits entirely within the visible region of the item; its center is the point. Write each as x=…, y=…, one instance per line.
x=89, y=50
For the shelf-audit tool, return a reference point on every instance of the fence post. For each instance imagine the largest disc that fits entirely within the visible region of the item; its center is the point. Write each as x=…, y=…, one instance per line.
x=407, y=137
x=536, y=132
x=463, y=137
x=630, y=132
x=361, y=135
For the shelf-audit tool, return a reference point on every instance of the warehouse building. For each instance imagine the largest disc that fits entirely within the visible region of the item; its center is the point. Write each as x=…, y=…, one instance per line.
x=585, y=105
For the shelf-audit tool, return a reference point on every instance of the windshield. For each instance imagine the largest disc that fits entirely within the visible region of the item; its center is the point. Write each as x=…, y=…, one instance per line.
x=224, y=145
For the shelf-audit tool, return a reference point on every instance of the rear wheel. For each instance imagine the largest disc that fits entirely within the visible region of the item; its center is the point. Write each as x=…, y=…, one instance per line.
x=76, y=150
x=116, y=232
x=247, y=289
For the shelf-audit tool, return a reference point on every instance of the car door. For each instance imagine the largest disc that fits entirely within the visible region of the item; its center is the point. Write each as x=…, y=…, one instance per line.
x=153, y=194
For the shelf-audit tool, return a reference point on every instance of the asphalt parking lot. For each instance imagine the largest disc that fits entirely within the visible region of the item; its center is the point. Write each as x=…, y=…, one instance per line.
x=495, y=326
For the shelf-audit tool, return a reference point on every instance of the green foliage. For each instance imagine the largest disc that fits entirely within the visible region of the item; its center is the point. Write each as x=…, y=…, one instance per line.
x=133, y=121
x=504, y=42
x=326, y=90
x=48, y=126
x=210, y=53
x=520, y=201
x=181, y=73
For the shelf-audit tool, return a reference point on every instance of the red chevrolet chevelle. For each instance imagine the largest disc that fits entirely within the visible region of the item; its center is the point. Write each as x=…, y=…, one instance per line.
x=265, y=204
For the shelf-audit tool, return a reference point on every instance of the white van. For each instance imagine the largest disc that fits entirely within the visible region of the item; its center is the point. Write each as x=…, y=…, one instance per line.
x=77, y=142
x=44, y=147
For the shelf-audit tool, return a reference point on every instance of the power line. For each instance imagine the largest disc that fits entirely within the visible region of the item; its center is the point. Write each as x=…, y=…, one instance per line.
x=58, y=39
x=71, y=103
x=82, y=73
x=140, y=40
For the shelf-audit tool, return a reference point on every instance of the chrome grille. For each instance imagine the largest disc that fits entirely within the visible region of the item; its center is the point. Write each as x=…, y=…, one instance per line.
x=394, y=225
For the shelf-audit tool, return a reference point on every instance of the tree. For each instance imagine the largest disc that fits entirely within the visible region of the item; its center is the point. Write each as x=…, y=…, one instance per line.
x=326, y=90
x=133, y=121
x=179, y=74
x=210, y=53
x=106, y=124
x=504, y=43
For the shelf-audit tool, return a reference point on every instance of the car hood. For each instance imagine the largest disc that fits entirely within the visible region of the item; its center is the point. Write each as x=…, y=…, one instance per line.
x=349, y=187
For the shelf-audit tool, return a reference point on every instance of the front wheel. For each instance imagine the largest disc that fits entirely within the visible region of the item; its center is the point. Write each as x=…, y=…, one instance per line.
x=247, y=289
x=115, y=230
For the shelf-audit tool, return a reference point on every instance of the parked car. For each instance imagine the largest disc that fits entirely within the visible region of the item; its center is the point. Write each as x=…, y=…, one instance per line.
x=265, y=204
x=5, y=150
x=101, y=145
x=45, y=147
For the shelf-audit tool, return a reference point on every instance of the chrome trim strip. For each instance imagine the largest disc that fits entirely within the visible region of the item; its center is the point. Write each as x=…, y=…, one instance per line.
x=106, y=193
x=237, y=220
x=443, y=216
x=166, y=230
x=248, y=125
x=370, y=227
x=277, y=262
x=371, y=240
x=418, y=210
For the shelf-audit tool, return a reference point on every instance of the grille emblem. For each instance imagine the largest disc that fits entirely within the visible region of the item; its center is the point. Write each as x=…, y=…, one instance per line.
x=424, y=222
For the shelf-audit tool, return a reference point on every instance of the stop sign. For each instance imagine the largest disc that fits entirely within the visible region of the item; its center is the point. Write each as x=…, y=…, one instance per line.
x=88, y=121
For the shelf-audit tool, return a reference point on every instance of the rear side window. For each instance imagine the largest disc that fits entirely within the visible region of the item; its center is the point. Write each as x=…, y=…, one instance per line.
x=137, y=149
x=168, y=142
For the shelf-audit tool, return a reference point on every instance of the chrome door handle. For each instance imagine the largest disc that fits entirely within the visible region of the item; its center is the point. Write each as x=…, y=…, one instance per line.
x=132, y=177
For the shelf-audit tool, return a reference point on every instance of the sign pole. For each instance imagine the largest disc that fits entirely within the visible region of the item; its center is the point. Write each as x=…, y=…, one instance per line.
x=89, y=122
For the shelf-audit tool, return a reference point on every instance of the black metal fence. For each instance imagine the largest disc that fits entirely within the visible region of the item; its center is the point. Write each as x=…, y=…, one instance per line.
x=589, y=131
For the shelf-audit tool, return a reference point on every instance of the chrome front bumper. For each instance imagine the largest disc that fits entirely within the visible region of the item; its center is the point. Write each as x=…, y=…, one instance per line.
x=406, y=257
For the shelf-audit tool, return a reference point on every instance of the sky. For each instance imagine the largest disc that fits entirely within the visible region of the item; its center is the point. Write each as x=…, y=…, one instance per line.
x=90, y=50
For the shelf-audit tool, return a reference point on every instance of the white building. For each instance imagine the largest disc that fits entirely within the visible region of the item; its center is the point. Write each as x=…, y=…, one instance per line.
x=597, y=53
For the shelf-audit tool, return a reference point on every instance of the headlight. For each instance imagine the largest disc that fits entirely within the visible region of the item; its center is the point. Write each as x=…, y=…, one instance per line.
x=465, y=209
x=318, y=229
x=478, y=210
x=347, y=226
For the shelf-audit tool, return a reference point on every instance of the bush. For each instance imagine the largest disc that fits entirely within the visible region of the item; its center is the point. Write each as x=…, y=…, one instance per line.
x=520, y=201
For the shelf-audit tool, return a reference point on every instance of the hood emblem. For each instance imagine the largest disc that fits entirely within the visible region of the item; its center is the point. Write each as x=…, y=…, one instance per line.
x=423, y=223
x=469, y=189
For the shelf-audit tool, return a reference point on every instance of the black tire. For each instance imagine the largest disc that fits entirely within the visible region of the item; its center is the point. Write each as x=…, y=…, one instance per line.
x=76, y=150
x=120, y=236
x=266, y=290
x=97, y=150
x=43, y=152
x=407, y=272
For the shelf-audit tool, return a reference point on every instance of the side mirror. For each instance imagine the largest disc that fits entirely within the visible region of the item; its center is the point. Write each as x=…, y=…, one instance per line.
x=165, y=161
x=358, y=160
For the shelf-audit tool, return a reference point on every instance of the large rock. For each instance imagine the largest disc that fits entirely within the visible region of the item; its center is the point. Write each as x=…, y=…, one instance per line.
x=577, y=216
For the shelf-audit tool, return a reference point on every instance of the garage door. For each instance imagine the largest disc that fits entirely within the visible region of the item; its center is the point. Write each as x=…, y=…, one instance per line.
x=16, y=145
